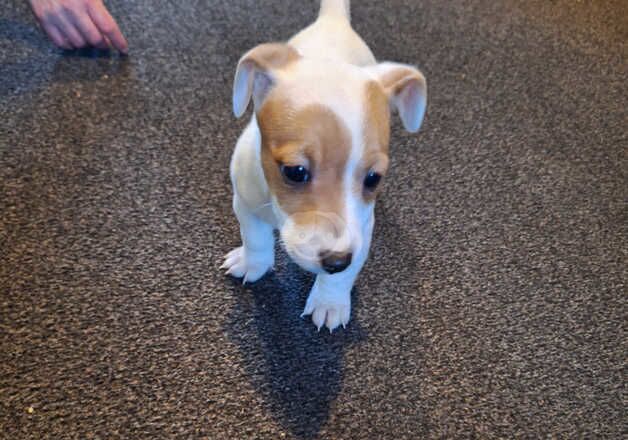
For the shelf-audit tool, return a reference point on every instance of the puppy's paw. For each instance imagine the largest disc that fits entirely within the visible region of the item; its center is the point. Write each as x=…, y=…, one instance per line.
x=328, y=310
x=246, y=265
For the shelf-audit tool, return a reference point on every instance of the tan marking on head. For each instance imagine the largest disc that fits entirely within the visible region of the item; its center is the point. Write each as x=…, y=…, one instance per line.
x=396, y=79
x=271, y=55
x=255, y=74
x=376, y=136
x=312, y=136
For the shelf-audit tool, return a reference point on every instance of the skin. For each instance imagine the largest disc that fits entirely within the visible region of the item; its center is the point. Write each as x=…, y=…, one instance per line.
x=74, y=24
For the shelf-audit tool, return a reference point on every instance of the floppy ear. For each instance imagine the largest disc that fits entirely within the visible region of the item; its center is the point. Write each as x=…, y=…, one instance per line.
x=406, y=89
x=254, y=75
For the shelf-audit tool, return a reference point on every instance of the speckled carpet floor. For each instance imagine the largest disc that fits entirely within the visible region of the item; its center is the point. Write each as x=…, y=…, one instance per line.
x=494, y=301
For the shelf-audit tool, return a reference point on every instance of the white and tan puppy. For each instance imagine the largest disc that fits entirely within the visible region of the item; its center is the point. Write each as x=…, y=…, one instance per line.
x=310, y=161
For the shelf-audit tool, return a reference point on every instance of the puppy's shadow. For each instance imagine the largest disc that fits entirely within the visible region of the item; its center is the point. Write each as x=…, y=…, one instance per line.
x=297, y=370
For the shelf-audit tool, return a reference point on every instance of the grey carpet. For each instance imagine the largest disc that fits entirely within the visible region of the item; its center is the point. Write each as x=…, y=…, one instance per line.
x=494, y=301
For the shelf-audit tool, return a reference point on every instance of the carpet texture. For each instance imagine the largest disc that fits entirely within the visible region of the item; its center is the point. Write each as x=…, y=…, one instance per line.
x=494, y=301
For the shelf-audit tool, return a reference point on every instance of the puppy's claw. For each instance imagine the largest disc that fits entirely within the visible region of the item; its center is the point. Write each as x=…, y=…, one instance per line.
x=307, y=311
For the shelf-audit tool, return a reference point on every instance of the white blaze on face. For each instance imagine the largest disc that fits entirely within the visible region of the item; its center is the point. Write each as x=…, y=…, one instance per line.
x=356, y=211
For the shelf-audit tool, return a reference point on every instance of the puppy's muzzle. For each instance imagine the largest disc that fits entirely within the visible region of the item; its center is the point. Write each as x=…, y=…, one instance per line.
x=336, y=261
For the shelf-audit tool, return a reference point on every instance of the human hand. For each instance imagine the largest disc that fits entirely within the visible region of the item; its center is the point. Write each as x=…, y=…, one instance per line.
x=73, y=24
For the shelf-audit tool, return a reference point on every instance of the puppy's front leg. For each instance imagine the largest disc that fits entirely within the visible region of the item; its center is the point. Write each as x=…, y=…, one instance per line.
x=329, y=301
x=257, y=253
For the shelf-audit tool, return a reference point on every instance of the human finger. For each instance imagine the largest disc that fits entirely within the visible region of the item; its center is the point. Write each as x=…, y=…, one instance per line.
x=107, y=25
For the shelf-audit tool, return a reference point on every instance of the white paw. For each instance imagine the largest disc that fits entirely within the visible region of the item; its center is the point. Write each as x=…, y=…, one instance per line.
x=248, y=266
x=328, y=310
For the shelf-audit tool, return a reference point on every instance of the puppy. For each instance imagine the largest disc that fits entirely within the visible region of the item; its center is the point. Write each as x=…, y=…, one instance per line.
x=311, y=159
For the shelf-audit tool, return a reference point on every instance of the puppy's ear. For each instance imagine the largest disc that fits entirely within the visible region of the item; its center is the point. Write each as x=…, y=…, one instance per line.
x=406, y=89
x=255, y=73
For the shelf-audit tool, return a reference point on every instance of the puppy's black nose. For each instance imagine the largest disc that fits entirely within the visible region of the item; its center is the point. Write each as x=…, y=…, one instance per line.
x=336, y=261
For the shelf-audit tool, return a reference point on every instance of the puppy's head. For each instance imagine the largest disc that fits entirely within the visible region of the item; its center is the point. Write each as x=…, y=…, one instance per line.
x=325, y=131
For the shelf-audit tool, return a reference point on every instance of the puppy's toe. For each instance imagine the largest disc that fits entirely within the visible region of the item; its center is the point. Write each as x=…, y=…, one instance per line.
x=254, y=272
x=318, y=317
x=333, y=319
x=249, y=267
x=327, y=313
x=233, y=262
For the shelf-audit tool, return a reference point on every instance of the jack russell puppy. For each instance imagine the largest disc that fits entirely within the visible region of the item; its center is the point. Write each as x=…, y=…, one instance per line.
x=311, y=159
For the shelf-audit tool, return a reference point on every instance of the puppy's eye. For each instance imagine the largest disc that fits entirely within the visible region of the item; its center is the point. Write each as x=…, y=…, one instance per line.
x=372, y=180
x=296, y=173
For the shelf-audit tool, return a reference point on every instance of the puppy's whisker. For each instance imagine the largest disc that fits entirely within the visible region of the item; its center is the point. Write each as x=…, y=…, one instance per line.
x=262, y=207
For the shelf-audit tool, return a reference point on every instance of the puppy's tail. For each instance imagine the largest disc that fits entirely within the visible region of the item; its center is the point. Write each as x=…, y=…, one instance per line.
x=335, y=8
